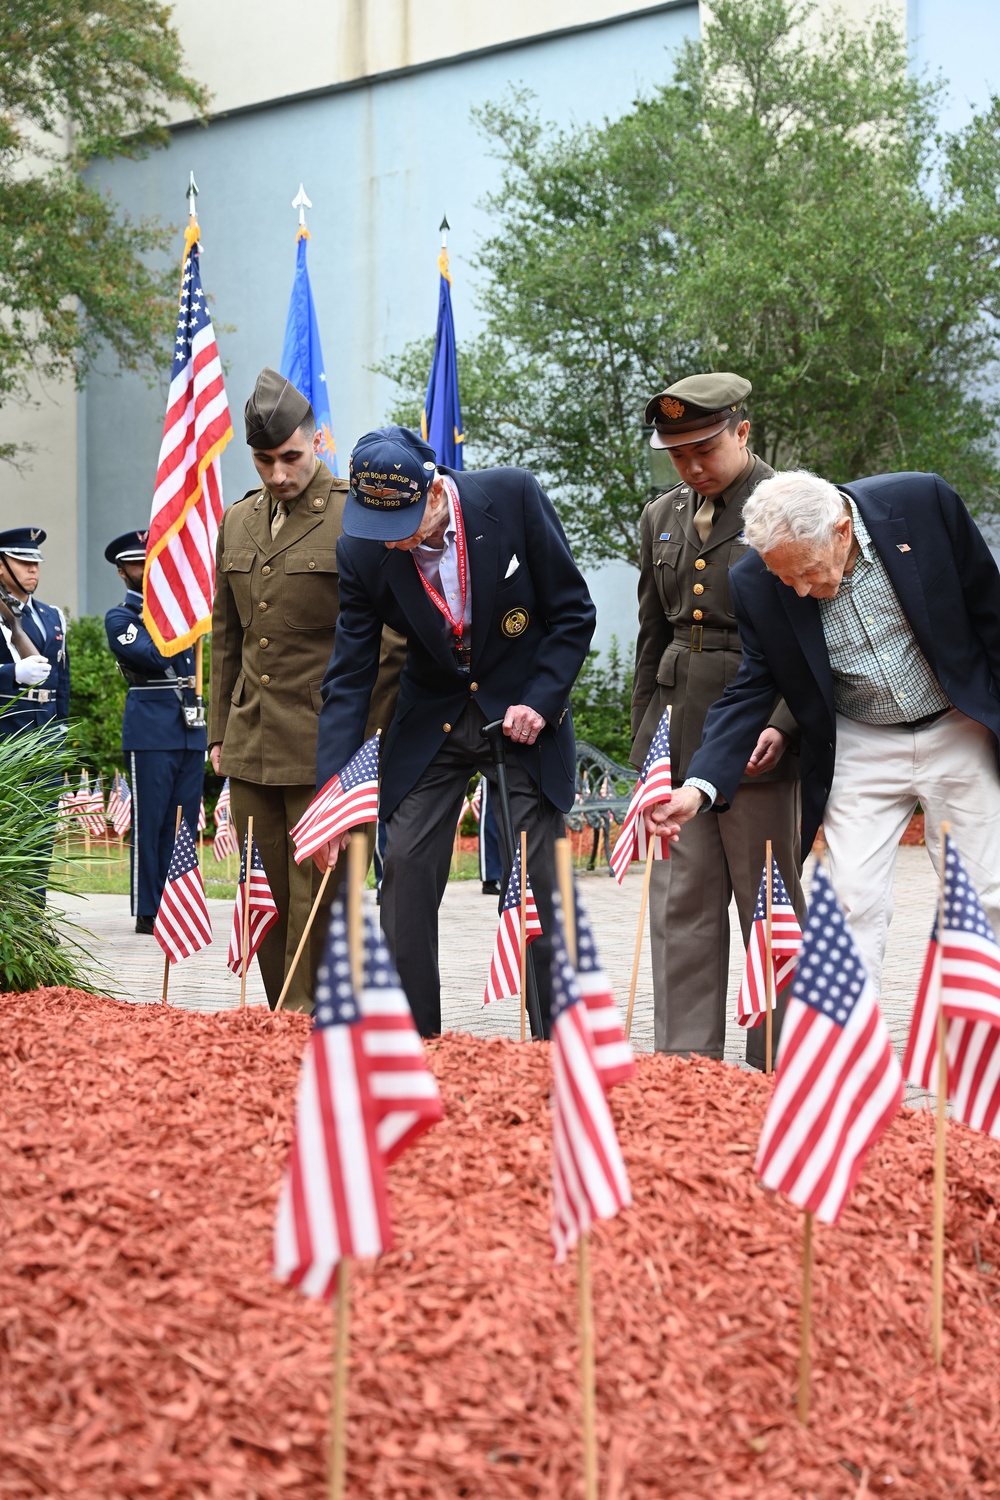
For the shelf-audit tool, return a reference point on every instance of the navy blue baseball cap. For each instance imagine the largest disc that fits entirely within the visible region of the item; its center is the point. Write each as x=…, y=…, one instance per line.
x=390, y=474
x=22, y=543
x=130, y=547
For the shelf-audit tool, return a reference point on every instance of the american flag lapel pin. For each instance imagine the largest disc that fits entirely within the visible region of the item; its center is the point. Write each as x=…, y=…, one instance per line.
x=903, y=546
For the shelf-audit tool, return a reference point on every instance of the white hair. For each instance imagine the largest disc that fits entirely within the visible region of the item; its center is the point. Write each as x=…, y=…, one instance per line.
x=796, y=506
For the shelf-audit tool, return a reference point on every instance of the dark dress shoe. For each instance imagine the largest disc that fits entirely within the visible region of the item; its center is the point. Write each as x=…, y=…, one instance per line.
x=144, y=926
x=491, y=887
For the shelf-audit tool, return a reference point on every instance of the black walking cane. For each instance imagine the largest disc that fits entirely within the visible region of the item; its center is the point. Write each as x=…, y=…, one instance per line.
x=495, y=735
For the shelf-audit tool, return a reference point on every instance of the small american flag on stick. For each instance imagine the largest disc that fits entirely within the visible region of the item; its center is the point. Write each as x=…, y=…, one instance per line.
x=612, y=1054
x=838, y=1083
x=120, y=805
x=504, y=979
x=786, y=940
x=654, y=782
x=970, y=995
x=262, y=915
x=182, y=923
x=349, y=798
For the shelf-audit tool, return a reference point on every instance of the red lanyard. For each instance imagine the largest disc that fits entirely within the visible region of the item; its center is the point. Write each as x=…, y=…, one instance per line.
x=440, y=603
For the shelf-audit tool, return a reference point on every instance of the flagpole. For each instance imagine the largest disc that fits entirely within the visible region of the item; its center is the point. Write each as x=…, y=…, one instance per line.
x=308, y=927
x=564, y=871
x=524, y=932
x=246, y=916
x=940, y=1158
x=166, y=959
x=768, y=969
x=644, y=901
x=805, y=1323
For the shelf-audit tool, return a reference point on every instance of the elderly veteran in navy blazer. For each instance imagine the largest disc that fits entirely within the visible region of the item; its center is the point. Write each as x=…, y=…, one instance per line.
x=874, y=610
x=162, y=740
x=474, y=570
x=39, y=681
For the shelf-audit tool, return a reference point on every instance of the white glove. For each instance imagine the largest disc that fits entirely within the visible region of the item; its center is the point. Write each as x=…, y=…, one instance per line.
x=32, y=670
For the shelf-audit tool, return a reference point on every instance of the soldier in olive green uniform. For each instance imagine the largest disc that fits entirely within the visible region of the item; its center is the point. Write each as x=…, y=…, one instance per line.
x=273, y=624
x=688, y=649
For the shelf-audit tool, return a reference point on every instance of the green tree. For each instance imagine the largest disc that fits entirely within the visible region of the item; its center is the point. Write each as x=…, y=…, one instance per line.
x=75, y=273
x=96, y=700
x=785, y=206
x=602, y=702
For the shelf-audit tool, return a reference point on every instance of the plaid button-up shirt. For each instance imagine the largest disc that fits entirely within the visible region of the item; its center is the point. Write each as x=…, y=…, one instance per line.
x=880, y=674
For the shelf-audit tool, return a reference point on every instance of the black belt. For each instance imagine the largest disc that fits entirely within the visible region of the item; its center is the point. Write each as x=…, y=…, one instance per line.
x=922, y=723
x=710, y=638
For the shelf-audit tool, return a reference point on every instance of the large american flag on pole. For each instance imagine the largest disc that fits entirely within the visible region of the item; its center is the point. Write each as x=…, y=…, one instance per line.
x=350, y=797
x=263, y=912
x=365, y=1093
x=504, y=978
x=786, y=940
x=187, y=498
x=654, y=782
x=838, y=1083
x=182, y=923
x=970, y=994
x=589, y=1180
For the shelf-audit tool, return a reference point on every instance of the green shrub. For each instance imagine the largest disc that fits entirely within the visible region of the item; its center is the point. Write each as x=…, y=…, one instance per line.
x=602, y=700
x=96, y=701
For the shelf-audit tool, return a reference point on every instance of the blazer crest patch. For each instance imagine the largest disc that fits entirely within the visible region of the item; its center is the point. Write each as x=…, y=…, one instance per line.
x=515, y=623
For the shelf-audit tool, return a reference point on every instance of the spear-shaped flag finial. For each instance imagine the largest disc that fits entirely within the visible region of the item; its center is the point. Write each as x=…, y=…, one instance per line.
x=301, y=202
x=192, y=194
x=444, y=226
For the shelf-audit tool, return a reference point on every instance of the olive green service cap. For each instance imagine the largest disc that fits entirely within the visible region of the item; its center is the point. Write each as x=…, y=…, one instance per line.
x=274, y=410
x=695, y=409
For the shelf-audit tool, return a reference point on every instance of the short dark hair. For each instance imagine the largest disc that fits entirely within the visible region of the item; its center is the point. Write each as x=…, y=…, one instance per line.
x=308, y=425
x=738, y=417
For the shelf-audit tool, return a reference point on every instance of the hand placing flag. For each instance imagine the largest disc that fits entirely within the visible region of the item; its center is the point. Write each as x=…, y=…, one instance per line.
x=786, y=940
x=653, y=784
x=182, y=923
x=970, y=995
x=838, y=1083
x=262, y=911
x=504, y=979
x=349, y=798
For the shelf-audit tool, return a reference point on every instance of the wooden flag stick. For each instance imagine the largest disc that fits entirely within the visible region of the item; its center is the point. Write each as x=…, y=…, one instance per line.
x=564, y=871
x=524, y=932
x=940, y=1159
x=305, y=934
x=768, y=969
x=245, y=934
x=166, y=957
x=805, y=1323
x=643, y=903
x=338, y=1394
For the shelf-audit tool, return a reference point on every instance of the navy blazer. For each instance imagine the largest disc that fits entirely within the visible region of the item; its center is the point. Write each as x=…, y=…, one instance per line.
x=948, y=585
x=50, y=642
x=531, y=632
x=153, y=717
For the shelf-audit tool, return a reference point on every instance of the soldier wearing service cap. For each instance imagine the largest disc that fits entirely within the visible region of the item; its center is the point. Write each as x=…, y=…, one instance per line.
x=163, y=744
x=273, y=625
x=688, y=649
x=38, y=680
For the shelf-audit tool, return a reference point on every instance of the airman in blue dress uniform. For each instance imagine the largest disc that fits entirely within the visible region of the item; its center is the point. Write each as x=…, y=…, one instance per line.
x=162, y=740
x=40, y=682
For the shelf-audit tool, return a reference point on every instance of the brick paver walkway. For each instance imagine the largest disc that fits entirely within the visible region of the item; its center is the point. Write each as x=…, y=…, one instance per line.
x=134, y=965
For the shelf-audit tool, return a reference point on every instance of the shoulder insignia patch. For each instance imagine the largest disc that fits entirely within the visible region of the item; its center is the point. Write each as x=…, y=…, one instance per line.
x=128, y=636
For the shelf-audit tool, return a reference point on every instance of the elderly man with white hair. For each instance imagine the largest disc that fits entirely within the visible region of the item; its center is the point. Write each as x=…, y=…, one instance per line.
x=874, y=610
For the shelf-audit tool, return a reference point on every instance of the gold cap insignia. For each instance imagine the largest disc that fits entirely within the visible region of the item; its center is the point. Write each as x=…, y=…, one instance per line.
x=671, y=408
x=514, y=622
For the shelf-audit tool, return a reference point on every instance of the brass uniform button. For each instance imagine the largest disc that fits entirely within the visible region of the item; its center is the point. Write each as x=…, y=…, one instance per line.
x=265, y=679
x=446, y=728
x=317, y=504
x=263, y=640
x=700, y=563
x=263, y=606
x=473, y=687
x=312, y=565
x=697, y=613
x=266, y=569
x=699, y=588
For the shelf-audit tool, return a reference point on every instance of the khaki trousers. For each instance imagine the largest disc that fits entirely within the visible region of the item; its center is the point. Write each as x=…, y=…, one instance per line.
x=950, y=768
x=719, y=855
x=275, y=810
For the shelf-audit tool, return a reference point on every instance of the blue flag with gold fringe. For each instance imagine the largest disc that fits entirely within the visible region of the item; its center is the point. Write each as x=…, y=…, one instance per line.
x=441, y=419
x=302, y=355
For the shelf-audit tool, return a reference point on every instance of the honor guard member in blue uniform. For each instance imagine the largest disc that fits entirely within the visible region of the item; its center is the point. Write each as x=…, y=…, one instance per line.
x=474, y=571
x=161, y=739
x=39, y=681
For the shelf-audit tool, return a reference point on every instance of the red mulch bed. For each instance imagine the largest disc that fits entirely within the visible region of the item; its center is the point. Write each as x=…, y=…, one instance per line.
x=145, y=1350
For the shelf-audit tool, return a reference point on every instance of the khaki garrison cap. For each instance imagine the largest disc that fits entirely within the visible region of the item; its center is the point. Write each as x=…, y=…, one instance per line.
x=274, y=410
x=695, y=409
